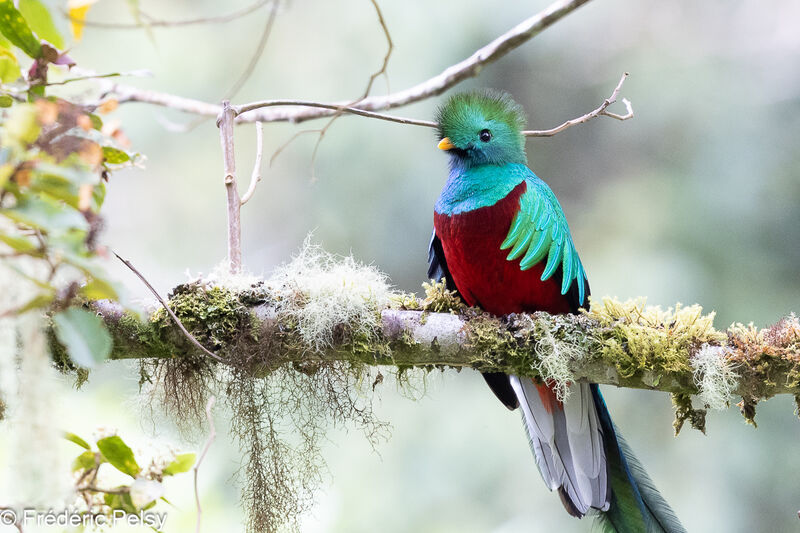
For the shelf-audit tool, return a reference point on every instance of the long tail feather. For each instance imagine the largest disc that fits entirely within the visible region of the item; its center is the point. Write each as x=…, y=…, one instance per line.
x=636, y=505
x=567, y=443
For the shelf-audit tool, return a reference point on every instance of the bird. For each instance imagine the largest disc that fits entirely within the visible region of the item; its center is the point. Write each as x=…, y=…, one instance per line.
x=502, y=243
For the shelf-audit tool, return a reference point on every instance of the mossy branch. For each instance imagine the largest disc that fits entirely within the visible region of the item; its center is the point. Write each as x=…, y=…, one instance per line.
x=300, y=349
x=626, y=344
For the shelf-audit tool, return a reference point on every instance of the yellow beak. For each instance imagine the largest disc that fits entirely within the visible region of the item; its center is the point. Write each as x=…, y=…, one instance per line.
x=445, y=144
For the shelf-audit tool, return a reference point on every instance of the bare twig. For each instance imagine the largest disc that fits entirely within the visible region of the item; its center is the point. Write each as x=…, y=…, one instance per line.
x=336, y=107
x=243, y=77
x=381, y=71
x=285, y=145
x=434, y=86
x=255, y=177
x=600, y=111
x=84, y=78
x=212, y=434
x=153, y=22
x=262, y=43
x=92, y=488
x=389, y=50
x=225, y=123
x=169, y=311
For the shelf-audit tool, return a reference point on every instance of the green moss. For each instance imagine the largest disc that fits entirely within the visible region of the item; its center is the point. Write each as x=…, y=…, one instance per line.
x=748, y=409
x=215, y=316
x=405, y=301
x=493, y=345
x=684, y=411
x=440, y=300
x=766, y=359
x=636, y=338
x=797, y=404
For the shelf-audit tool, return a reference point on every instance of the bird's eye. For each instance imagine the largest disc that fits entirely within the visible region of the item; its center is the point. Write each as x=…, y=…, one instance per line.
x=485, y=136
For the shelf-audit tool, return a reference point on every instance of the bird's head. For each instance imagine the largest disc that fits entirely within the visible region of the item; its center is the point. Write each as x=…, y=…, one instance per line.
x=482, y=128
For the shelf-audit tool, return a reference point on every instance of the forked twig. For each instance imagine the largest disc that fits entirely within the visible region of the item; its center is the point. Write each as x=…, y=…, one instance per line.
x=255, y=177
x=600, y=111
x=169, y=311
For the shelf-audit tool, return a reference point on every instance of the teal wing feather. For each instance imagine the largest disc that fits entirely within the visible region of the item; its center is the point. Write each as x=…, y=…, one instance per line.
x=539, y=232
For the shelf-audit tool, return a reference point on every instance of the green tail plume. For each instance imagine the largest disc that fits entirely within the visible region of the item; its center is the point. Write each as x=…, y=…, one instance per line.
x=636, y=504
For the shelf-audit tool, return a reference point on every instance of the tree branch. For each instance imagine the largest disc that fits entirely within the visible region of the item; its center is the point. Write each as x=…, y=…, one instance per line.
x=152, y=22
x=255, y=177
x=234, y=201
x=169, y=311
x=449, y=77
x=600, y=111
x=622, y=344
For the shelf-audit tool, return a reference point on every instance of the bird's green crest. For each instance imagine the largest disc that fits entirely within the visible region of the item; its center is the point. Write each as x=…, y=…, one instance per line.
x=466, y=118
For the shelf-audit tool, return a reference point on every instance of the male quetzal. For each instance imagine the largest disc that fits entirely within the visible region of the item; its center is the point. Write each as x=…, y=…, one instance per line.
x=501, y=240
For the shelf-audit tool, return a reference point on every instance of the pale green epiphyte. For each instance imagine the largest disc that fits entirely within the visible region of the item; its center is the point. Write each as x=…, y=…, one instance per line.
x=539, y=231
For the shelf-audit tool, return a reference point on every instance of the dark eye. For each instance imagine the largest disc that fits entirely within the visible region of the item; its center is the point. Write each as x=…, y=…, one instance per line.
x=485, y=136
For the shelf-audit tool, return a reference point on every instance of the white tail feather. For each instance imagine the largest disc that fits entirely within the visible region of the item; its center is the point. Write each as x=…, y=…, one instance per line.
x=567, y=442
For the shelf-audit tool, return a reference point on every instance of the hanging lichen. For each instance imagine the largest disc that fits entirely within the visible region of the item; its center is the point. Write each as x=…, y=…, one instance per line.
x=685, y=411
x=281, y=407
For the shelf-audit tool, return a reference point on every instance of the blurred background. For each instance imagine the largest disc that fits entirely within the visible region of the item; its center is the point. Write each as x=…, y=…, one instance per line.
x=695, y=200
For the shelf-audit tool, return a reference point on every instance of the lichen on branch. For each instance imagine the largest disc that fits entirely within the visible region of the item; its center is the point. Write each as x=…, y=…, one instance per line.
x=301, y=350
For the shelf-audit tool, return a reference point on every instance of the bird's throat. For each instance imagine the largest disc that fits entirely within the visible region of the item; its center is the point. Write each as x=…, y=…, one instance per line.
x=476, y=187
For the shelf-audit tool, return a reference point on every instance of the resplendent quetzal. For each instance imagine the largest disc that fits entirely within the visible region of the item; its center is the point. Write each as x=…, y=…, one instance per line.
x=501, y=240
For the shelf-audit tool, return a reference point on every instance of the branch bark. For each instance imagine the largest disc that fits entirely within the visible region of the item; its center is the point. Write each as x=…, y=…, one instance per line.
x=234, y=201
x=631, y=351
x=449, y=77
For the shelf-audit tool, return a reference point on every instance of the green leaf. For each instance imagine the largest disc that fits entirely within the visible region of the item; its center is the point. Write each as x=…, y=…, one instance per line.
x=99, y=289
x=40, y=21
x=73, y=174
x=119, y=455
x=47, y=214
x=9, y=68
x=115, y=156
x=22, y=126
x=72, y=437
x=20, y=244
x=85, y=336
x=40, y=301
x=16, y=30
x=120, y=501
x=182, y=463
x=98, y=196
x=97, y=122
x=5, y=99
x=5, y=171
x=85, y=461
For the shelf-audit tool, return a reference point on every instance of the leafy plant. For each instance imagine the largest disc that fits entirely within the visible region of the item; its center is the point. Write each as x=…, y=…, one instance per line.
x=55, y=161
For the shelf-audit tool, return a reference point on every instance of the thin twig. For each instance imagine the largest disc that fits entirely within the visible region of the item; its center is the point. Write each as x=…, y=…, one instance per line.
x=225, y=122
x=169, y=311
x=212, y=434
x=239, y=110
x=262, y=43
x=84, y=78
x=600, y=111
x=255, y=177
x=152, y=22
x=381, y=71
x=125, y=490
x=452, y=75
x=285, y=145
x=243, y=77
x=389, y=50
